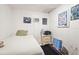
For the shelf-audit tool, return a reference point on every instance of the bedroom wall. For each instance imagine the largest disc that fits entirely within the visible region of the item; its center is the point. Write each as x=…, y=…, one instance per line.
x=69, y=36
x=6, y=21
x=33, y=28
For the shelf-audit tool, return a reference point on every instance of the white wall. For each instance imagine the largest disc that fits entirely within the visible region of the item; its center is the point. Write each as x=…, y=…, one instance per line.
x=69, y=36
x=6, y=21
x=33, y=28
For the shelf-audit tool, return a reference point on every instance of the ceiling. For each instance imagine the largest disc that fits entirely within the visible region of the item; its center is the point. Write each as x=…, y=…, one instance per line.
x=46, y=8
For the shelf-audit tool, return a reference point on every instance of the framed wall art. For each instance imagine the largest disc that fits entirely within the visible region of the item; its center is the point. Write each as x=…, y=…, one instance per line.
x=36, y=20
x=75, y=12
x=44, y=21
x=27, y=19
x=62, y=20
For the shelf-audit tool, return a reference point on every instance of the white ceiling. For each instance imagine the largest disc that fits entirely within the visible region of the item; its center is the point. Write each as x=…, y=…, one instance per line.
x=35, y=7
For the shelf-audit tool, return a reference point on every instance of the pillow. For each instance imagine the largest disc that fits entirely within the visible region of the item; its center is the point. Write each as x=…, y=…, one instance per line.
x=21, y=33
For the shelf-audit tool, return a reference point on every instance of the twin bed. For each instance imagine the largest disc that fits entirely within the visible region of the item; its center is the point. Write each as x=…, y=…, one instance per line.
x=21, y=45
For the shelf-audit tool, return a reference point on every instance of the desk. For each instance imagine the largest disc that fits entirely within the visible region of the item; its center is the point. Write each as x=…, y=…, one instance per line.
x=50, y=50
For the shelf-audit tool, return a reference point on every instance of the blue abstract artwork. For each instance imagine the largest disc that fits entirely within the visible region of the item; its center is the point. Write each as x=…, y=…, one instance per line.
x=75, y=12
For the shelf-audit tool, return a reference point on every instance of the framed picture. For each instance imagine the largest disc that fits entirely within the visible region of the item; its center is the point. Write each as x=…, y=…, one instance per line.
x=62, y=20
x=27, y=19
x=75, y=12
x=44, y=21
x=36, y=20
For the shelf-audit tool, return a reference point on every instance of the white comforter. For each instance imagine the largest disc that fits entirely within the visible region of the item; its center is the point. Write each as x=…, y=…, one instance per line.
x=21, y=45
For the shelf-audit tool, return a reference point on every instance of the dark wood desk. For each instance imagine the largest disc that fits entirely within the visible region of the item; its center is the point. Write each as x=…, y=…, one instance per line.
x=50, y=50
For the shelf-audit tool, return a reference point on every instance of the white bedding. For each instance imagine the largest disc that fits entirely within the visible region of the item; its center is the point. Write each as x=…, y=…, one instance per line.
x=21, y=45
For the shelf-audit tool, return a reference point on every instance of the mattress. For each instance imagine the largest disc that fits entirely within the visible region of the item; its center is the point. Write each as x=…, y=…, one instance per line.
x=21, y=45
